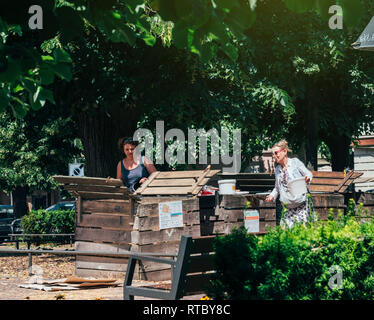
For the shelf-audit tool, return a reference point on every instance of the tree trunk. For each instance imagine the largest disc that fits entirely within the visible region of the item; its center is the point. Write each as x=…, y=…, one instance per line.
x=99, y=134
x=339, y=149
x=19, y=201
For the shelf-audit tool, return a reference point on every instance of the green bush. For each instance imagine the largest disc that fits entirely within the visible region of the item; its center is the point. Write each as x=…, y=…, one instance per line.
x=297, y=263
x=42, y=222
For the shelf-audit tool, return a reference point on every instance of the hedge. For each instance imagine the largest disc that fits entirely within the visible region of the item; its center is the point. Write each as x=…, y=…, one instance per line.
x=322, y=260
x=44, y=222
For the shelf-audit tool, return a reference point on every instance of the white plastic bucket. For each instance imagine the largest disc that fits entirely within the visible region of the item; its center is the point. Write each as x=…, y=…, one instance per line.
x=297, y=187
x=227, y=186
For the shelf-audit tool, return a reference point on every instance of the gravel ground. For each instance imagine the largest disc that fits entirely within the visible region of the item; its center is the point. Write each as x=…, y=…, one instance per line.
x=14, y=271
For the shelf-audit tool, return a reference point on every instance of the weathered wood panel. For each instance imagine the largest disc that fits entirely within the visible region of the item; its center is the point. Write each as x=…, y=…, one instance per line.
x=165, y=235
x=106, y=220
x=106, y=206
x=102, y=235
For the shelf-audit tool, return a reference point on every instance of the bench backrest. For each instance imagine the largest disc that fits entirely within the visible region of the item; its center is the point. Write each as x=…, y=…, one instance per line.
x=199, y=266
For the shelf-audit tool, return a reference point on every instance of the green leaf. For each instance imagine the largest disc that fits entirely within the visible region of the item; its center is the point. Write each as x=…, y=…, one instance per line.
x=61, y=55
x=46, y=76
x=123, y=34
x=181, y=35
x=231, y=51
x=63, y=70
x=4, y=99
x=300, y=6
x=18, y=88
x=20, y=109
x=12, y=72
x=47, y=58
x=148, y=38
x=207, y=52
x=46, y=94
x=217, y=28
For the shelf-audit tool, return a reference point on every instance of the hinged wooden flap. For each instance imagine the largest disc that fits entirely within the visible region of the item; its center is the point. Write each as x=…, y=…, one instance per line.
x=177, y=182
x=94, y=188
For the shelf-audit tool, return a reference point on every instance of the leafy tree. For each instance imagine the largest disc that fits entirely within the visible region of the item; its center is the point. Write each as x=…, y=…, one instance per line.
x=329, y=84
x=32, y=150
x=203, y=27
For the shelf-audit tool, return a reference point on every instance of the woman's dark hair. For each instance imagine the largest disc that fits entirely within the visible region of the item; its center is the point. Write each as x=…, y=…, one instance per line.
x=126, y=140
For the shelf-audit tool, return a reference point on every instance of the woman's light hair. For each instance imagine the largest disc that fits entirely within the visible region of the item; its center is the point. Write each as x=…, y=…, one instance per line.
x=283, y=144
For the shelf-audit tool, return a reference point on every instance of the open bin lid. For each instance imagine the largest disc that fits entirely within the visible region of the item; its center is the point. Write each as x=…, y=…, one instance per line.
x=325, y=181
x=159, y=183
x=189, y=182
x=94, y=188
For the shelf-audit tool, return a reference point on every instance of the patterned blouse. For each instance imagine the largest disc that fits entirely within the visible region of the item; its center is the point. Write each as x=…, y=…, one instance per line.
x=294, y=169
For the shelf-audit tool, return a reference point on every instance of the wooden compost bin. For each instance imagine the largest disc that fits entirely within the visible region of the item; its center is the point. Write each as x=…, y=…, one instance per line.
x=328, y=191
x=110, y=219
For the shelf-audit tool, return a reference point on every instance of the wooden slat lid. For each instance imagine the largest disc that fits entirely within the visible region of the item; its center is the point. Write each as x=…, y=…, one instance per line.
x=176, y=182
x=94, y=188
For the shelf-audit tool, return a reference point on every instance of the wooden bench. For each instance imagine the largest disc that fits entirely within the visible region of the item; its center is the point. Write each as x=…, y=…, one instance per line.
x=191, y=271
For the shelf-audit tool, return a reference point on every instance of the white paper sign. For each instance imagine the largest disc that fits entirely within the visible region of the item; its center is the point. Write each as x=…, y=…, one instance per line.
x=252, y=220
x=170, y=214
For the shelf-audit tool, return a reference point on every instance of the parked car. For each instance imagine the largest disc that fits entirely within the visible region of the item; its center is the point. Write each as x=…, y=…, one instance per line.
x=63, y=205
x=6, y=219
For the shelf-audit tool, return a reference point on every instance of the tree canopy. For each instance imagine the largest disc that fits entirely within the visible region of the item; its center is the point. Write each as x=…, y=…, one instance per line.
x=30, y=59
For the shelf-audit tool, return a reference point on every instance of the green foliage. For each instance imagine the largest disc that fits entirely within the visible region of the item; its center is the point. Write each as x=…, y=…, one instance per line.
x=204, y=28
x=44, y=222
x=294, y=264
x=35, y=148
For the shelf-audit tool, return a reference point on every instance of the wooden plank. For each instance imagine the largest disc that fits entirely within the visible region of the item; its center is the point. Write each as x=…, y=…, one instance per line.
x=172, y=234
x=197, y=186
x=151, y=209
x=98, y=265
x=147, y=182
x=328, y=174
x=106, y=220
x=169, y=247
x=341, y=187
x=152, y=222
x=101, y=235
x=326, y=181
x=79, y=210
x=232, y=201
x=185, y=174
x=88, y=181
x=167, y=191
x=321, y=188
x=101, y=274
x=94, y=188
x=218, y=227
x=104, y=247
x=101, y=195
x=106, y=206
x=173, y=182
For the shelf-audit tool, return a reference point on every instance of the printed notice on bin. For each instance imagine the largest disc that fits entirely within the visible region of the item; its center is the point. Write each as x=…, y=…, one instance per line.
x=170, y=214
x=252, y=220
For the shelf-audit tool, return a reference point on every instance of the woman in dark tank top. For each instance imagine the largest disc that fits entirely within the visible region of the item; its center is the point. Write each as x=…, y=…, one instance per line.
x=132, y=170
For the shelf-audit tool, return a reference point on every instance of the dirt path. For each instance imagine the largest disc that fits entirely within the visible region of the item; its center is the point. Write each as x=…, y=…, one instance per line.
x=14, y=271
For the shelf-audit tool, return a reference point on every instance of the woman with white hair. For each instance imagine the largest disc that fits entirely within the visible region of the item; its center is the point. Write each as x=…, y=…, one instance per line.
x=288, y=169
